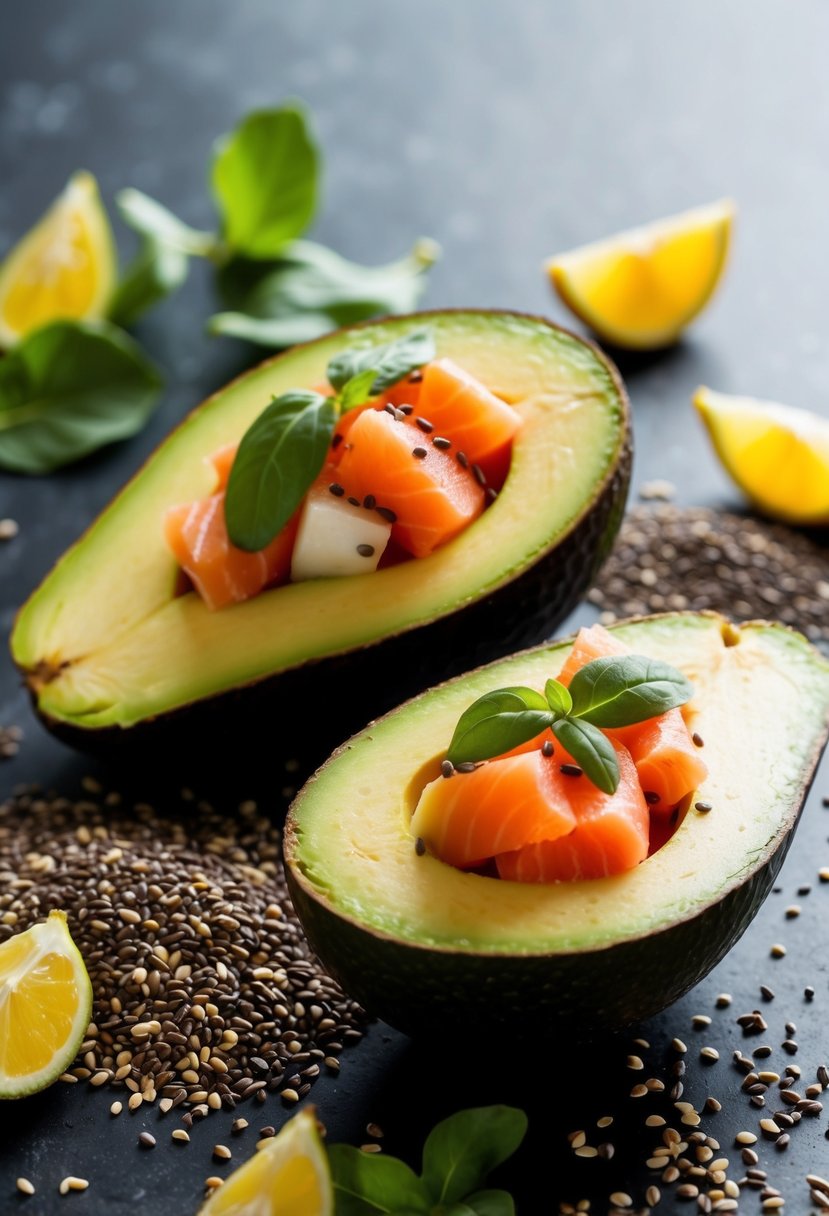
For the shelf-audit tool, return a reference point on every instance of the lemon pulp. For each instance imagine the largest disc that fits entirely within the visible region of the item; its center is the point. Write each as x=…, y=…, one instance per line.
x=640, y=288
x=64, y=267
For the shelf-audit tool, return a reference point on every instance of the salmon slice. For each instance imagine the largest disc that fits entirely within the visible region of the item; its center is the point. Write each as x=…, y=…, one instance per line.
x=666, y=758
x=432, y=496
x=610, y=836
x=222, y=574
x=479, y=424
x=469, y=817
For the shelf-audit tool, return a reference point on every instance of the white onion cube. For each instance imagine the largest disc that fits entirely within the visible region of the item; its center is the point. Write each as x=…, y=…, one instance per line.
x=336, y=538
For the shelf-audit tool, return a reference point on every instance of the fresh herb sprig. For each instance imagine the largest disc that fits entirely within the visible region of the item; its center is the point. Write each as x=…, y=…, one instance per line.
x=285, y=448
x=458, y=1157
x=606, y=693
x=277, y=289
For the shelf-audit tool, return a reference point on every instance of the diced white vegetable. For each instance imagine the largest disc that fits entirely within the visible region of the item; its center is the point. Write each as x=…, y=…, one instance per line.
x=336, y=538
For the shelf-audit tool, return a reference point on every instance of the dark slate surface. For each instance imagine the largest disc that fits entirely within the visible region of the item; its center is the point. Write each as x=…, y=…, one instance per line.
x=507, y=132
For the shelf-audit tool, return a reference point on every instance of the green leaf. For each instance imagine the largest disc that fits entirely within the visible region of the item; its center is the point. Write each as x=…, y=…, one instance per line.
x=391, y=362
x=498, y=721
x=357, y=390
x=367, y=1183
x=482, y=1203
x=156, y=222
x=311, y=290
x=69, y=388
x=265, y=181
x=155, y=273
x=462, y=1150
x=278, y=458
x=622, y=690
x=558, y=697
x=591, y=750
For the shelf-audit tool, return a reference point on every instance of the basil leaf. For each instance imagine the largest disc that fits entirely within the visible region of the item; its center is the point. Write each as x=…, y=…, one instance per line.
x=357, y=390
x=278, y=458
x=390, y=362
x=265, y=181
x=69, y=388
x=156, y=222
x=462, y=1150
x=155, y=273
x=498, y=721
x=622, y=690
x=558, y=697
x=591, y=750
x=482, y=1203
x=366, y=1183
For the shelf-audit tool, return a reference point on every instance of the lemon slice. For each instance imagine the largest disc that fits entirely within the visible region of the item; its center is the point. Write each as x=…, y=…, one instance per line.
x=45, y=1006
x=65, y=267
x=777, y=454
x=289, y=1176
x=639, y=289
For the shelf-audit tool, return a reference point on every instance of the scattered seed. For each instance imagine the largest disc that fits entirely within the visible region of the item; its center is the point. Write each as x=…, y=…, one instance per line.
x=700, y=1020
x=419, y=453
x=221, y=1152
x=424, y=425
x=180, y=1135
x=635, y=1063
x=679, y=1046
x=387, y=514
x=570, y=770
x=777, y=950
x=420, y=846
x=621, y=1199
x=447, y=768
x=703, y=807
x=365, y=550
x=442, y=443
x=25, y=1187
x=336, y=489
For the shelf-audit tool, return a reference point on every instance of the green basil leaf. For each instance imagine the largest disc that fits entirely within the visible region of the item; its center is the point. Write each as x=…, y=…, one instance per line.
x=367, y=1183
x=265, y=181
x=69, y=388
x=463, y=1149
x=278, y=458
x=156, y=222
x=155, y=273
x=591, y=750
x=558, y=697
x=624, y=689
x=482, y=1203
x=311, y=290
x=357, y=390
x=498, y=721
x=391, y=362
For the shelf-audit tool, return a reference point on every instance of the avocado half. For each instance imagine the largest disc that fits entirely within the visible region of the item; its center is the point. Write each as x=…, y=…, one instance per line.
x=430, y=948
x=112, y=654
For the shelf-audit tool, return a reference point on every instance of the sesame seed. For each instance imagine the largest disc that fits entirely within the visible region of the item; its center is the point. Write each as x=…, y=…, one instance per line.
x=709, y=1055
x=777, y=950
x=587, y=1150
x=419, y=453
x=547, y=748
x=651, y=797
x=221, y=1152
x=425, y=425
x=679, y=1046
x=146, y=1140
x=703, y=807
x=447, y=768
x=355, y=502
x=336, y=489
x=621, y=1199
x=25, y=1186
x=793, y=911
x=387, y=514
x=635, y=1063
x=723, y=1000
x=745, y=1138
x=442, y=443
x=570, y=770
x=180, y=1136
x=369, y=502
x=463, y=461
x=116, y=1108
x=697, y=739
x=420, y=846
x=365, y=550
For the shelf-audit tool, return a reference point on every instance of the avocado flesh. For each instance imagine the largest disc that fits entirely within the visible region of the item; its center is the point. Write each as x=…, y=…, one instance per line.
x=761, y=704
x=104, y=640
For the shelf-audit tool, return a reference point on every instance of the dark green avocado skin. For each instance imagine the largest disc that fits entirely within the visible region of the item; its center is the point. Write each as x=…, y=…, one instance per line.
x=269, y=719
x=426, y=992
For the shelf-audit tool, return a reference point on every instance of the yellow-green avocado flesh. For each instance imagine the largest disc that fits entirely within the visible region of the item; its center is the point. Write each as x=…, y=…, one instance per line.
x=761, y=705
x=106, y=642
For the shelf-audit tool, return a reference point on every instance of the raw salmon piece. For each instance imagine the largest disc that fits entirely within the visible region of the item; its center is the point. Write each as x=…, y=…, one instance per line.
x=221, y=573
x=668, y=762
x=666, y=758
x=479, y=424
x=469, y=817
x=610, y=836
x=432, y=496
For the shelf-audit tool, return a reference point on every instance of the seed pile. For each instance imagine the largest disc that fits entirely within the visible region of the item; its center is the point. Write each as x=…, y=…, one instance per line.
x=205, y=990
x=10, y=737
x=670, y=558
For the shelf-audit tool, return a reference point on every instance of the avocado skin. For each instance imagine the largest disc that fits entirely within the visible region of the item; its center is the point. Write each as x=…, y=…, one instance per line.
x=273, y=715
x=426, y=992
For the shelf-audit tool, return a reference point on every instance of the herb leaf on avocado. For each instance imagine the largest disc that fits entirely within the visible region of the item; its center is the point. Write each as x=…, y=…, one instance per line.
x=497, y=722
x=591, y=750
x=264, y=178
x=278, y=459
x=462, y=1150
x=365, y=1183
x=310, y=290
x=616, y=691
x=391, y=362
x=69, y=388
x=625, y=689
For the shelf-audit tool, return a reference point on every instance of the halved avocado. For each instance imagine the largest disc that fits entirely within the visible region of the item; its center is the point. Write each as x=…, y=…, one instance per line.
x=107, y=646
x=430, y=948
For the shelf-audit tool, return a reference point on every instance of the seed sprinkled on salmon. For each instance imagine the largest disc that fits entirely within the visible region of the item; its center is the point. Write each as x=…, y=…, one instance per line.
x=425, y=425
x=420, y=453
x=571, y=770
x=336, y=489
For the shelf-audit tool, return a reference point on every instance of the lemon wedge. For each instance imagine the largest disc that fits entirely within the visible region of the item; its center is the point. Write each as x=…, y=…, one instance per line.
x=289, y=1176
x=64, y=267
x=777, y=454
x=45, y=1006
x=639, y=289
